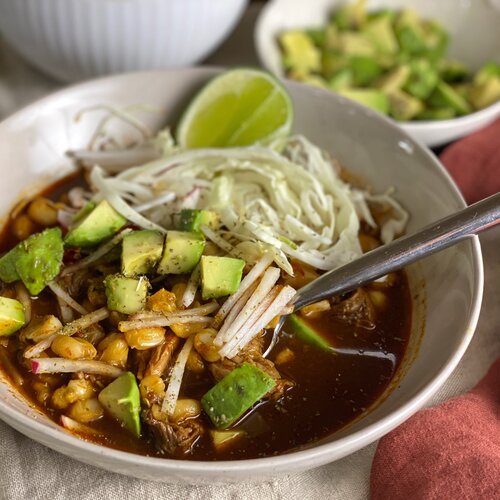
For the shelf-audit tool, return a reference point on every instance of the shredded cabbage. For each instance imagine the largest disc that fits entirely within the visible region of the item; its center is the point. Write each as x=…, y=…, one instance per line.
x=286, y=198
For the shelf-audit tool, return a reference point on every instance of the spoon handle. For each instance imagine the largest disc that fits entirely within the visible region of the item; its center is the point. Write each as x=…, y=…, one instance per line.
x=404, y=251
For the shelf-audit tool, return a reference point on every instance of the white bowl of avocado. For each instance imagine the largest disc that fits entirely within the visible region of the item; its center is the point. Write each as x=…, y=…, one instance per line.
x=434, y=67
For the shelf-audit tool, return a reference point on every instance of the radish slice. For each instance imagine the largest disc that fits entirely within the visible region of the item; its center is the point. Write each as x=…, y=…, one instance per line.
x=74, y=426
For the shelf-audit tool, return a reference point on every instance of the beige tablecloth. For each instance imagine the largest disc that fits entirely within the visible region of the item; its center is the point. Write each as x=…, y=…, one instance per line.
x=31, y=471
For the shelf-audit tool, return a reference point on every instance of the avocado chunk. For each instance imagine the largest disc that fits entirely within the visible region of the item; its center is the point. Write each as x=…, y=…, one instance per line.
x=222, y=438
x=350, y=16
x=436, y=114
x=372, y=98
x=410, y=33
x=394, y=80
x=122, y=401
x=220, y=276
x=436, y=40
x=8, y=271
x=126, y=295
x=380, y=32
x=238, y=391
x=453, y=71
x=341, y=80
x=182, y=252
x=11, y=316
x=304, y=332
x=445, y=96
x=488, y=70
x=84, y=211
x=38, y=259
x=300, y=53
x=353, y=43
x=365, y=70
x=422, y=80
x=486, y=93
x=141, y=251
x=101, y=223
x=404, y=107
x=192, y=220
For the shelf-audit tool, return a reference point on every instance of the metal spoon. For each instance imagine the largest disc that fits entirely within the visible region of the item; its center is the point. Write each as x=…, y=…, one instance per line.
x=400, y=253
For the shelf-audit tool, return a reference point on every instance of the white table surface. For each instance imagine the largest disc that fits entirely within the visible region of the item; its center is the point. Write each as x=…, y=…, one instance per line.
x=35, y=472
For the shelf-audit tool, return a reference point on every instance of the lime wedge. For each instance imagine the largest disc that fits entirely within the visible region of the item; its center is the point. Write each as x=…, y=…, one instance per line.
x=238, y=108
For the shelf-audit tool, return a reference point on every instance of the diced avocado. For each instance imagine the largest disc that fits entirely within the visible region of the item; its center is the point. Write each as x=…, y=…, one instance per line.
x=341, y=80
x=141, y=251
x=462, y=89
x=8, y=271
x=11, y=316
x=333, y=62
x=365, y=70
x=353, y=43
x=300, y=52
x=488, y=70
x=126, y=295
x=238, y=391
x=381, y=33
x=191, y=219
x=121, y=399
x=304, y=332
x=223, y=438
x=436, y=40
x=182, y=252
x=436, y=114
x=84, y=211
x=410, y=33
x=404, y=107
x=101, y=223
x=332, y=41
x=484, y=94
x=38, y=259
x=453, y=71
x=394, y=80
x=422, y=80
x=220, y=276
x=372, y=98
x=444, y=96
x=350, y=16
x=317, y=36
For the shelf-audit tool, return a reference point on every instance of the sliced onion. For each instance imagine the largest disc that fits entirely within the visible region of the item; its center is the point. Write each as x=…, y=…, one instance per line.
x=63, y=365
x=174, y=384
x=125, y=326
x=66, y=297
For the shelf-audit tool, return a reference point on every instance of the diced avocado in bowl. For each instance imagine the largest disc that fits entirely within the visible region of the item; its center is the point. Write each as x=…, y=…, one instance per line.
x=182, y=252
x=141, y=251
x=36, y=260
x=393, y=61
x=126, y=295
x=95, y=226
x=220, y=276
x=12, y=316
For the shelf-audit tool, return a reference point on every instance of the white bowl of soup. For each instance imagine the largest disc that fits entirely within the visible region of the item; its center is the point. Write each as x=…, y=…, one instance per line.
x=326, y=404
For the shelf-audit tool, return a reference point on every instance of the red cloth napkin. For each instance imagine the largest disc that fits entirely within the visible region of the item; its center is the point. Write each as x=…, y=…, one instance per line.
x=474, y=163
x=451, y=451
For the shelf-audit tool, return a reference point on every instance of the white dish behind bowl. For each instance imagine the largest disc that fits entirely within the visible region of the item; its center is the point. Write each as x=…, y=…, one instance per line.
x=474, y=39
x=32, y=146
x=78, y=39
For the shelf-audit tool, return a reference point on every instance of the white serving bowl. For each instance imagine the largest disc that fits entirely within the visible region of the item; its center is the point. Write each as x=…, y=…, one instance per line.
x=446, y=288
x=78, y=39
x=474, y=39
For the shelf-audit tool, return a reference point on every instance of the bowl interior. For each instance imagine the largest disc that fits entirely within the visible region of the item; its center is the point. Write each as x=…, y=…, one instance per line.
x=33, y=143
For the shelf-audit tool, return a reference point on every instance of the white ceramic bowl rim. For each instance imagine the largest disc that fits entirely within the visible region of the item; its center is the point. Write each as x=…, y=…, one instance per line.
x=319, y=453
